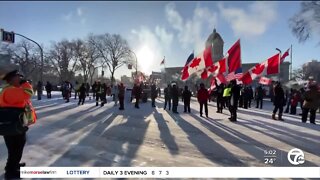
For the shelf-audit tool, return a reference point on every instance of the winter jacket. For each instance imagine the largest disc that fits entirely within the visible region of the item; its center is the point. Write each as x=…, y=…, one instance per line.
x=49, y=87
x=279, y=96
x=82, y=91
x=121, y=91
x=154, y=92
x=259, y=93
x=203, y=95
x=137, y=91
x=311, y=100
x=295, y=99
x=16, y=97
x=235, y=95
x=167, y=93
x=186, y=95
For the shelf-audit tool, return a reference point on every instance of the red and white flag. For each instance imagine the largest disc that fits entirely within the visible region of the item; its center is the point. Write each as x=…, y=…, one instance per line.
x=217, y=68
x=234, y=57
x=198, y=64
x=284, y=55
x=265, y=81
x=270, y=66
x=219, y=79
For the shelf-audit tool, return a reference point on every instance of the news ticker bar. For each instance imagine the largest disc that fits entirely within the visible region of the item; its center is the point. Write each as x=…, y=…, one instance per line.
x=170, y=172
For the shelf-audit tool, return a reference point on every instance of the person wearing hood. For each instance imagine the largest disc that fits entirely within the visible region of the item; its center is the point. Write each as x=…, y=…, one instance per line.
x=15, y=96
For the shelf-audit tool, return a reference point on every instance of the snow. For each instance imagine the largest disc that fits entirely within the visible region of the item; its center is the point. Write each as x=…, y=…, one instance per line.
x=70, y=135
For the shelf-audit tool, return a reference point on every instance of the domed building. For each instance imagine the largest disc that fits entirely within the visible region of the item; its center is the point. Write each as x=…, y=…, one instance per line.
x=216, y=41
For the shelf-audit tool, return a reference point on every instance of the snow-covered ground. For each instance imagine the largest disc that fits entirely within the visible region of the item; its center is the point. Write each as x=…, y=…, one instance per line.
x=70, y=135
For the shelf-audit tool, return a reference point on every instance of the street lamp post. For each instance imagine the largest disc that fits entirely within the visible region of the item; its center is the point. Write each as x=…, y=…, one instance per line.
x=41, y=54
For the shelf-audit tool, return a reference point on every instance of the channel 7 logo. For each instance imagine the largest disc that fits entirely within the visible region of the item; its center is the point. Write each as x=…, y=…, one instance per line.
x=296, y=156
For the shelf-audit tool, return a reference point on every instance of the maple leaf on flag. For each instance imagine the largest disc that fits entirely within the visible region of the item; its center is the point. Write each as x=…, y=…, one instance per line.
x=185, y=73
x=195, y=62
x=258, y=69
x=212, y=68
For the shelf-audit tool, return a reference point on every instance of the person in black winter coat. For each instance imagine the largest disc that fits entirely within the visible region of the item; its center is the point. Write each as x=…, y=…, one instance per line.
x=234, y=100
x=137, y=91
x=48, y=89
x=220, y=99
x=99, y=94
x=186, y=95
x=167, y=97
x=246, y=97
x=82, y=94
x=94, y=89
x=279, y=101
x=154, y=94
x=175, y=98
x=259, y=97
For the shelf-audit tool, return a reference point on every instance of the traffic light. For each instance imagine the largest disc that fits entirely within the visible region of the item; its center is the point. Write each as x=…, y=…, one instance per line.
x=102, y=73
x=7, y=36
x=129, y=66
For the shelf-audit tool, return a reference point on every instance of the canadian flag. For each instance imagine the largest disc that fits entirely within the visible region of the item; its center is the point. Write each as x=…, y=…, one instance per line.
x=264, y=81
x=217, y=80
x=198, y=64
x=215, y=69
x=284, y=55
x=270, y=66
x=234, y=57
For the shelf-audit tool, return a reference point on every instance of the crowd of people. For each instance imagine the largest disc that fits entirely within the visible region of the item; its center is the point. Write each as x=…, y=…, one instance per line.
x=229, y=96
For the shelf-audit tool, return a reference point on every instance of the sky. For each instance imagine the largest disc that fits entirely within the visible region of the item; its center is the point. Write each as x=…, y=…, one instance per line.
x=169, y=29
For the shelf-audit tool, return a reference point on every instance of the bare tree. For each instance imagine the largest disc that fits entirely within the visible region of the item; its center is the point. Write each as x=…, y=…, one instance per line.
x=298, y=74
x=113, y=49
x=87, y=57
x=62, y=58
x=27, y=56
x=307, y=22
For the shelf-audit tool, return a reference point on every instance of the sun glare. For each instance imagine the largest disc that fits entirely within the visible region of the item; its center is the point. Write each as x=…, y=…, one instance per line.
x=145, y=59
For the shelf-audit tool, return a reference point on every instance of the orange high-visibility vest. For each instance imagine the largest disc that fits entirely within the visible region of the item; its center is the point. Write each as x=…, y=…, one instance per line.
x=17, y=97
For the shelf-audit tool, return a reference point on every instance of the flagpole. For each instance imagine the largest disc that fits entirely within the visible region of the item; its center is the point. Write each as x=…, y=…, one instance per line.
x=290, y=62
x=279, y=63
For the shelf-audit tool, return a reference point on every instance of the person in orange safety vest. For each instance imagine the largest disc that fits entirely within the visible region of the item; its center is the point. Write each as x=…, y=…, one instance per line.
x=16, y=94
